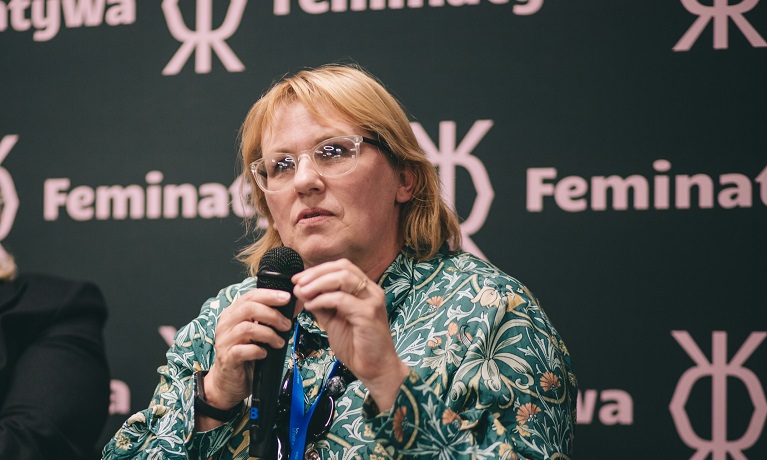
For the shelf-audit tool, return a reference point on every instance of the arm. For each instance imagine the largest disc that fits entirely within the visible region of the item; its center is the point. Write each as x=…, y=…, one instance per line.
x=166, y=427
x=58, y=396
x=512, y=396
x=222, y=339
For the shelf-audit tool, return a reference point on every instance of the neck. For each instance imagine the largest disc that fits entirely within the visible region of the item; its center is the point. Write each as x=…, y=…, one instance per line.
x=378, y=266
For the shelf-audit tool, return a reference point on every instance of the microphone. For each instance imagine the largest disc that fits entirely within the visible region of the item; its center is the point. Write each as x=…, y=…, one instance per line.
x=277, y=266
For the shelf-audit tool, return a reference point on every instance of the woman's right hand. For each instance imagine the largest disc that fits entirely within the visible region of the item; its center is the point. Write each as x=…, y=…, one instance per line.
x=242, y=327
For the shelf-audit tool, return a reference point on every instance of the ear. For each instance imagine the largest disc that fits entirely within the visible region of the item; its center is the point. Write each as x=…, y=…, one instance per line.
x=406, y=185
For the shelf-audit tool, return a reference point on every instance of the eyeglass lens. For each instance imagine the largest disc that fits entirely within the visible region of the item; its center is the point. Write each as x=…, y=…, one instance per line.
x=331, y=158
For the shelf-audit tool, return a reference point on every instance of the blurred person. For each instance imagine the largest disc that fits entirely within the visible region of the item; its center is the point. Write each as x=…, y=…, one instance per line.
x=54, y=378
x=439, y=354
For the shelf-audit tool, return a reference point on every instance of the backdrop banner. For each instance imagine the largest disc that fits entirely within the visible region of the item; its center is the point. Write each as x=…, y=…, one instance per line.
x=611, y=155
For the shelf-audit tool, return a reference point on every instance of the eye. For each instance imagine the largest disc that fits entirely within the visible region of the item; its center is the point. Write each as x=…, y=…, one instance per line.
x=335, y=150
x=281, y=165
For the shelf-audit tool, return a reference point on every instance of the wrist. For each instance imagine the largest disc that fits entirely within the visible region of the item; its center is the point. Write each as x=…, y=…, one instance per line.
x=212, y=409
x=385, y=389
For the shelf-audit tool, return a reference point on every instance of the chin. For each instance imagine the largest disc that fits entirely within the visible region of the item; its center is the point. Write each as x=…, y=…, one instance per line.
x=317, y=254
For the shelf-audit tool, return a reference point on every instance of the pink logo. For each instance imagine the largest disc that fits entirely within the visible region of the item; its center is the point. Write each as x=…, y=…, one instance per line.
x=719, y=370
x=204, y=40
x=719, y=12
x=449, y=155
x=9, y=200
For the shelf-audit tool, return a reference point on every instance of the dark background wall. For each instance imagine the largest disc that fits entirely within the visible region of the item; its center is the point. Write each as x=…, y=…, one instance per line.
x=552, y=99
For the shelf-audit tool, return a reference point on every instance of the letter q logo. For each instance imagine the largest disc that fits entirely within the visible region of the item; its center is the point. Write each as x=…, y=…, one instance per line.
x=9, y=201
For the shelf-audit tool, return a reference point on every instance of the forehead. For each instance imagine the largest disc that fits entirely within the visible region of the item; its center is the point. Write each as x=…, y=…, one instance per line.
x=296, y=118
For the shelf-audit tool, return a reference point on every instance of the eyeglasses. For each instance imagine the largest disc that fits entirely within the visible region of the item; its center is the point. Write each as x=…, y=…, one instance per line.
x=323, y=415
x=334, y=157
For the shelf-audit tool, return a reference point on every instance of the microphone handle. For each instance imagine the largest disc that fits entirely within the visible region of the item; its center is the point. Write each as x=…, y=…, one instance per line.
x=267, y=376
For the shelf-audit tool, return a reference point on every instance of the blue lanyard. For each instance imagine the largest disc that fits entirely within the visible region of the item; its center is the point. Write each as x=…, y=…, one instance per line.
x=299, y=420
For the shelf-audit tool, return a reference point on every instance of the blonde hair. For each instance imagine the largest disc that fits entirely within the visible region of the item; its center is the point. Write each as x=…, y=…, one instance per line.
x=350, y=93
x=8, y=267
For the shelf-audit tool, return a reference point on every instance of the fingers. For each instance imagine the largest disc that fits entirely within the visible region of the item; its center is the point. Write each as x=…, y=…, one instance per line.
x=343, y=303
x=243, y=335
x=257, y=307
x=360, y=286
x=249, y=322
x=340, y=276
x=339, y=292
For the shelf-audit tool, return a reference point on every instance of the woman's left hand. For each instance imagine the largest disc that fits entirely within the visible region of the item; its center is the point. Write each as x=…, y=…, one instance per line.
x=352, y=310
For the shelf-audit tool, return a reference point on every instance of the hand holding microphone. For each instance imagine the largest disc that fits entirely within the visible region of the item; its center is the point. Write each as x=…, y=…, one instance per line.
x=252, y=329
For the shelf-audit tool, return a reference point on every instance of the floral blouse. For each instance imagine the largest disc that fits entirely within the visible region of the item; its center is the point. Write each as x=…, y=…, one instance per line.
x=490, y=377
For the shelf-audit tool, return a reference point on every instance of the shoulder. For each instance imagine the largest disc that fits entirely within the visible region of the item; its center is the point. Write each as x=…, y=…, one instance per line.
x=54, y=285
x=465, y=268
x=462, y=282
x=37, y=292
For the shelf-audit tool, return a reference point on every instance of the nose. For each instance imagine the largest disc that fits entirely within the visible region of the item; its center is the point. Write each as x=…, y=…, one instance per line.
x=307, y=178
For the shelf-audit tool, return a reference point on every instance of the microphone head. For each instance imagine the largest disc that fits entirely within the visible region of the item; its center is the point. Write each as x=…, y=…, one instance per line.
x=277, y=266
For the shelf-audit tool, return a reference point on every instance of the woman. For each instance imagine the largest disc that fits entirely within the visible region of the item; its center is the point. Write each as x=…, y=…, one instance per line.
x=443, y=354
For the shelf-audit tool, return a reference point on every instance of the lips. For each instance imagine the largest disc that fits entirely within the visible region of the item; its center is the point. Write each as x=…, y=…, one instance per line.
x=313, y=213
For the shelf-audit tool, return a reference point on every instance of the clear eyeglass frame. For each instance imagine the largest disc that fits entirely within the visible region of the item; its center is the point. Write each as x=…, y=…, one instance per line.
x=260, y=167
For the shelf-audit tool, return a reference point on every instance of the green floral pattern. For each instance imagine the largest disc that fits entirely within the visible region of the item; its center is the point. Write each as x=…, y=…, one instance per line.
x=490, y=377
